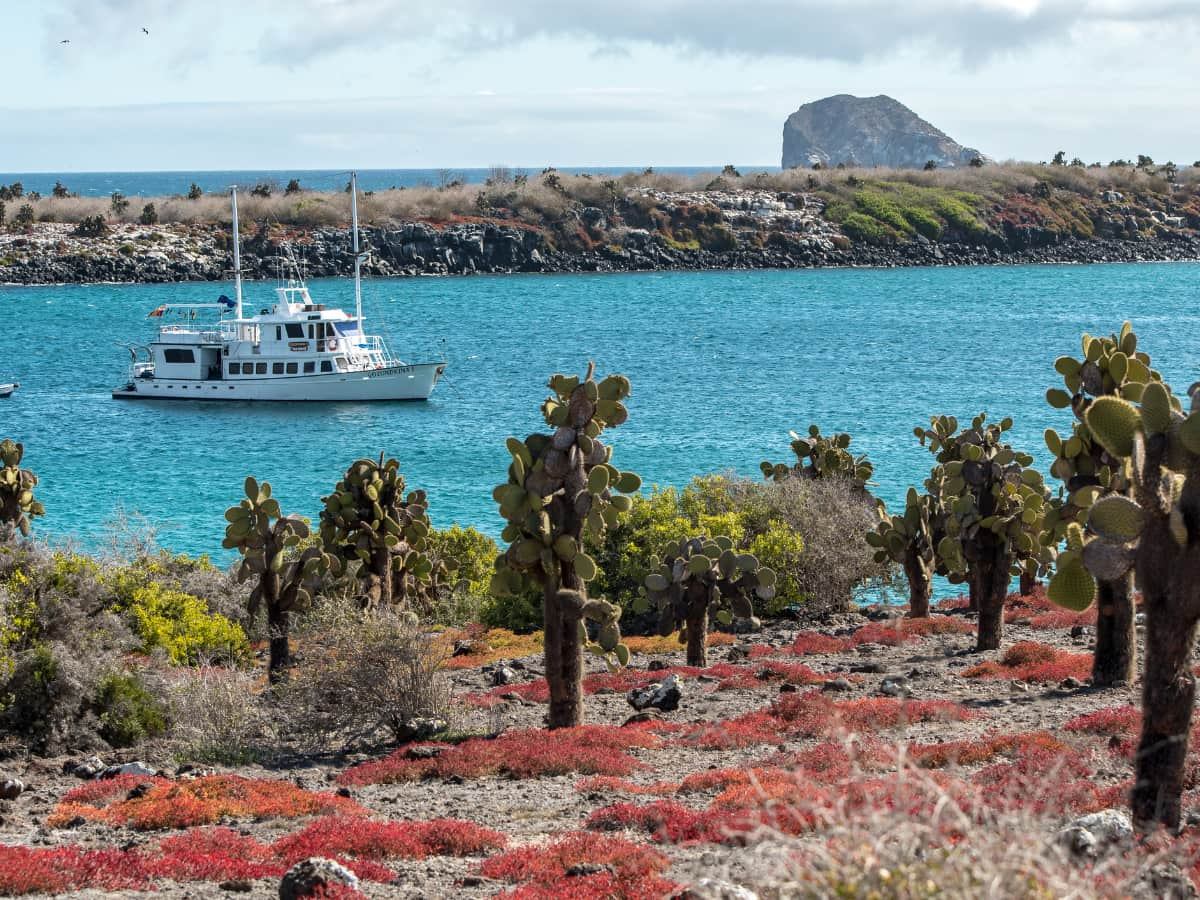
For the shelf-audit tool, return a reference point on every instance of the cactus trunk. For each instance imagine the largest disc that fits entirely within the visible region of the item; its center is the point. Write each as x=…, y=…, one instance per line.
x=697, y=635
x=920, y=583
x=564, y=656
x=1116, y=638
x=1028, y=583
x=990, y=578
x=972, y=595
x=278, y=623
x=1168, y=692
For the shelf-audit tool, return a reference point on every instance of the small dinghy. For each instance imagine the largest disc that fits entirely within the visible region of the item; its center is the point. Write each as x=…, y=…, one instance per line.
x=6, y=390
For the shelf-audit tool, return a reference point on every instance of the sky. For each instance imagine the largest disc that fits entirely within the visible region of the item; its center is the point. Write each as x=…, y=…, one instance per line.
x=303, y=84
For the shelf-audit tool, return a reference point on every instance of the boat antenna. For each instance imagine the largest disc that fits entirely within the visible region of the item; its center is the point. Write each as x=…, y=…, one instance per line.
x=357, y=255
x=237, y=255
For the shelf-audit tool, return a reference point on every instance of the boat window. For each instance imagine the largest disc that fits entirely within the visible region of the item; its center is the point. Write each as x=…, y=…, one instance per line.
x=326, y=366
x=178, y=355
x=260, y=368
x=277, y=368
x=310, y=331
x=309, y=368
x=341, y=363
x=294, y=330
x=292, y=369
x=278, y=333
x=235, y=368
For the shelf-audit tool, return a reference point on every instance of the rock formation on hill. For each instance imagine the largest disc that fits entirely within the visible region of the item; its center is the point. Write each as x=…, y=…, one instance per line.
x=867, y=131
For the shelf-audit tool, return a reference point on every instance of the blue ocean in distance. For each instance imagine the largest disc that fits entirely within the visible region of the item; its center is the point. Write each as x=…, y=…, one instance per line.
x=722, y=365
x=166, y=184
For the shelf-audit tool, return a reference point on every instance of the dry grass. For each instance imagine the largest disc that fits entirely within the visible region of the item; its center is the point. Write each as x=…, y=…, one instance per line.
x=542, y=199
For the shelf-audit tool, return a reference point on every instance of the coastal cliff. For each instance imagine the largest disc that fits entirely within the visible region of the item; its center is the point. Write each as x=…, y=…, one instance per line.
x=1044, y=214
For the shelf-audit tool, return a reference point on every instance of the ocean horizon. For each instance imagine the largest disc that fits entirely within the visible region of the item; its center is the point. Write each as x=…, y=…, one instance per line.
x=167, y=183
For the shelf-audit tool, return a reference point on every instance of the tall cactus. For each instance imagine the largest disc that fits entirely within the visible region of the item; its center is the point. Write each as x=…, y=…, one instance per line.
x=560, y=486
x=1111, y=367
x=370, y=518
x=821, y=457
x=1156, y=532
x=700, y=579
x=992, y=506
x=263, y=537
x=17, y=504
x=910, y=538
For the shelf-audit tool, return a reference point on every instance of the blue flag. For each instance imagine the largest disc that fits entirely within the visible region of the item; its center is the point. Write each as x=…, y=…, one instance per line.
x=225, y=301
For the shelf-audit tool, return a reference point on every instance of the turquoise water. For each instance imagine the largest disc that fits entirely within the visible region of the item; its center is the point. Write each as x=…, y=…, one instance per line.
x=722, y=365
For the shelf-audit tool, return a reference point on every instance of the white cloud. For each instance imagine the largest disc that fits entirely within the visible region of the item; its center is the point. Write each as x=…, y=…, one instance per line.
x=852, y=30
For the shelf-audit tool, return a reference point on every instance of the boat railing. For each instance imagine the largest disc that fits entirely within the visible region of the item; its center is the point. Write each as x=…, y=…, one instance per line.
x=207, y=335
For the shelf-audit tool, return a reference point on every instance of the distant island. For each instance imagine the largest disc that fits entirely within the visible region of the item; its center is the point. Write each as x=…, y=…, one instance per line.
x=868, y=132
x=981, y=213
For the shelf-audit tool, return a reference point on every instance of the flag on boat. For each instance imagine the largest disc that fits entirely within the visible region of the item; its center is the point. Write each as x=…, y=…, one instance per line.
x=157, y=313
x=226, y=302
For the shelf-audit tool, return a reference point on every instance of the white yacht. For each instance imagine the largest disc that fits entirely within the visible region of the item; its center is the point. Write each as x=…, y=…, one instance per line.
x=295, y=349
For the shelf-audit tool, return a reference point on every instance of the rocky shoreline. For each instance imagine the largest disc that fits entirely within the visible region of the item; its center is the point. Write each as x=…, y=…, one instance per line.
x=53, y=254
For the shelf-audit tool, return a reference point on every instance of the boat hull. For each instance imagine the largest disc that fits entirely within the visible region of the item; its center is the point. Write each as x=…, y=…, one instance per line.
x=414, y=382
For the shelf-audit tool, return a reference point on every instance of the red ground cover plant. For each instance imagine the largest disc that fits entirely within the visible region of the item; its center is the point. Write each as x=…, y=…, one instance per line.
x=371, y=839
x=813, y=643
x=1036, y=611
x=217, y=854
x=890, y=633
x=548, y=863
x=201, y=801
x=601, y=886
x=773, y=673
x=487, y=646
x=29, y=870
x=527, y=753
x=1113, y=721
x=1031, y=661
x=899, y=631
x=813, y=714
x=983, y=749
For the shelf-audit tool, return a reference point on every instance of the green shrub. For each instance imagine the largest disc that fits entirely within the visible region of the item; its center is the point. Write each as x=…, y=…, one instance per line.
x=178, y=623
x=884, y=210
x=521, y=613
x=959, y=216
x=866, y=230
x=469, y=555
x=778, y=548
x=129, y=713
x=924, y=222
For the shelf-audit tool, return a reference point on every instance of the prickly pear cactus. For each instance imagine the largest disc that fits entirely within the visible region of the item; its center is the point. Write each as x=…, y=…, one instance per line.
x=991, y=507
x=17, y=504
x=263, y=537
x=698, y=580
x=370, y=518
x=1156, y=533
x=1110, y=367
x=909, y=538
x=821, y=457
x=559, y=487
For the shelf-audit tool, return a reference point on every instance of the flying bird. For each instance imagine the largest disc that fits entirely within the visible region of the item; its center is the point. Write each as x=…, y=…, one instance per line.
x=65, y=41
x=144, y=30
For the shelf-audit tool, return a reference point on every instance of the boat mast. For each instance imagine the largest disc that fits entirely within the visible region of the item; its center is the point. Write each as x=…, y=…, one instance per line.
x=357, y=256
x=237, y=256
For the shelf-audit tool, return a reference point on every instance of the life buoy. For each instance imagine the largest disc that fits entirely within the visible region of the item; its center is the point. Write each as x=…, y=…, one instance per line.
x=331, y=344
